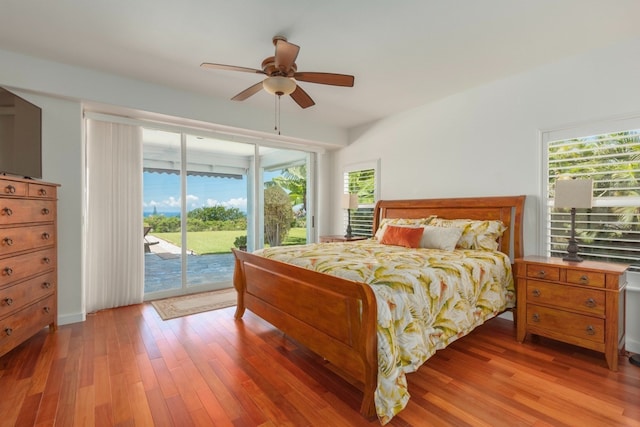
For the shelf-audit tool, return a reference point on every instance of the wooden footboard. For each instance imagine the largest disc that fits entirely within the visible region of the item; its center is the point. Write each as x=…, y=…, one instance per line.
x=333, y=317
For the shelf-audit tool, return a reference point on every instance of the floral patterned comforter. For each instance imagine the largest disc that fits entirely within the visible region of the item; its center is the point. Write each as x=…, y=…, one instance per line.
x=426, y=299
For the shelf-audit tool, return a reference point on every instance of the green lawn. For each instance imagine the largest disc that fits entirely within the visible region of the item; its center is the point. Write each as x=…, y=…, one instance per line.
x=219, y=242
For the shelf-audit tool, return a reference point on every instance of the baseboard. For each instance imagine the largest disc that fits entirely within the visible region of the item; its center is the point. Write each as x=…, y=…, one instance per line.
x=71, y=318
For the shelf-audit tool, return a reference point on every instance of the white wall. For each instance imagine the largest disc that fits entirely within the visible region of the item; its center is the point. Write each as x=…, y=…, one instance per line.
x=486, y=141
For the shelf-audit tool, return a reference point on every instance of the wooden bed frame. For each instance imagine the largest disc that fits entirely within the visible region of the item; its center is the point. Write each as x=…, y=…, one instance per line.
x=336, y=318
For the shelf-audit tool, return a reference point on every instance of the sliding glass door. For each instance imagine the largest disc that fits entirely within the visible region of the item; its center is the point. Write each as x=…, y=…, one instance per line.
x=204, y=196
x=195, y=210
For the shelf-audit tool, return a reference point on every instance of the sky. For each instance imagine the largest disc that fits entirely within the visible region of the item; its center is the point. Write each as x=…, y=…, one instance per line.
x=162, y=191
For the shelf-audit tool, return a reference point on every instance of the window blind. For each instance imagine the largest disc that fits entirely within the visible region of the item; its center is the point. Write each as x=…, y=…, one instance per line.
x=361, y=182
x=610, y=230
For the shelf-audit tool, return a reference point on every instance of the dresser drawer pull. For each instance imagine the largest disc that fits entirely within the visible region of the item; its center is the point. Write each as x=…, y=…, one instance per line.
x=46, y=285
x=46, y=260
x=45, y=236
x=45, y=211
x=591, y=330
x=535, y=317
x=7, y=211
x=590, y=303
x=584, y=279
x=10, y=189
x=536, y=292
x=8, y=301
x=46, y=309
x=542, y=273
x=42, y=192
x=8, y=271
x=8, y=241
x=8, y=331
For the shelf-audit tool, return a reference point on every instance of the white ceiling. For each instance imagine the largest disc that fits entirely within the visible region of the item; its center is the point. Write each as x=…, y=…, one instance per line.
x=403, y=53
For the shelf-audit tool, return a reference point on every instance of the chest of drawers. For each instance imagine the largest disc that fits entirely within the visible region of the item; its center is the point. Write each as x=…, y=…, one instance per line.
x=28, y=260
x=577, y=303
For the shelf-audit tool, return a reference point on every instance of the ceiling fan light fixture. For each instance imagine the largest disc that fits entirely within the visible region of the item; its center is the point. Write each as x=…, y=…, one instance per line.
x=279, y=85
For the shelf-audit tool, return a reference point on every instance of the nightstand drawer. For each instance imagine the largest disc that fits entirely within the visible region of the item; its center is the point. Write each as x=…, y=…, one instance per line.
x=564, y=323
x=545, y=272
x=589, y=278
x=588, y=301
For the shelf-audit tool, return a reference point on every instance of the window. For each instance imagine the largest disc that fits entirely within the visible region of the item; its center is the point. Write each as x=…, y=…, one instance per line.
x=610, y=230
x=361, y=179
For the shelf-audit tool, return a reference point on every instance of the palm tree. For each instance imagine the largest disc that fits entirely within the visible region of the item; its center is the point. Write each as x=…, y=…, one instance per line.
x=294, y=181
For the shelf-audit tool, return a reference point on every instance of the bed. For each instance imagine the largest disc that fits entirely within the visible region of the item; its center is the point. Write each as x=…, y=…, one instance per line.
x=336, y=315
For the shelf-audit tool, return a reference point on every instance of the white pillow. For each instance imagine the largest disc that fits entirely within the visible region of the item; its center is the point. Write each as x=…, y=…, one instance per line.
x=440, y=237
x=401, y=222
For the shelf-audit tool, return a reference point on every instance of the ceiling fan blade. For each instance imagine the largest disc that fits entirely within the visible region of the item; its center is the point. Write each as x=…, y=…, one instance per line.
x=302, y=98
x=325, y=78
x=286, y=54
x=251, y=90
x=230, y=68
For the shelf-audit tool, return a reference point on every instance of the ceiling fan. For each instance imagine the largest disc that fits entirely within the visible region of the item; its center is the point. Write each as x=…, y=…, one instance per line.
x=282, y=72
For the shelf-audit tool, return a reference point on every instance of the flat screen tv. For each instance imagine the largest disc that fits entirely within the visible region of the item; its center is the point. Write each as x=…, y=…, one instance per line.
x=20, y=136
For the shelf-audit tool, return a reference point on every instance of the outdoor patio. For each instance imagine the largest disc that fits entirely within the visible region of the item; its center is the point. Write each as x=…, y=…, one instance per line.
x=163, y=267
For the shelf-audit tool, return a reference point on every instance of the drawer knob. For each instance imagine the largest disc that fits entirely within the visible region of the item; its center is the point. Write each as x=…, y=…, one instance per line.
x=584, y=279
x=10, y=189
x=46, y=309
x=8, y=241
x=46, y=285
x=535, y=317
x=45, y=211
x=7, y=211
x=8, y=331
x=42, y=192
x=8, y=301
x=590, y=303
x=46, y=260
x=536, y=292
x=542, y=273
x=45, y=236
x=8, y=271
x=591, y=330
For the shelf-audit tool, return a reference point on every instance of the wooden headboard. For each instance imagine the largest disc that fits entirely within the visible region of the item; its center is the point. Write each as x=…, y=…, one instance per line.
x=508, y=209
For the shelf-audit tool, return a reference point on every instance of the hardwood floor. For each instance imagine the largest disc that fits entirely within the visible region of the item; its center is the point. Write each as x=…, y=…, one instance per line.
x=127, y=367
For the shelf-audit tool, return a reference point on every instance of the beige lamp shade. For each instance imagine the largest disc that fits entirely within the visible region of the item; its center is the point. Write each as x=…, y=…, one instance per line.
x=279, y=85
x=349, y=201
x=574, y=193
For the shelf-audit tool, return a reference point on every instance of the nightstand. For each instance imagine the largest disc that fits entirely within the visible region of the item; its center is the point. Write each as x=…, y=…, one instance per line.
x=338, y=238
x=577, y=303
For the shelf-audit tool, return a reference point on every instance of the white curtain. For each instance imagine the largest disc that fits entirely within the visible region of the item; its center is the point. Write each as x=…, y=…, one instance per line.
x=114, y=259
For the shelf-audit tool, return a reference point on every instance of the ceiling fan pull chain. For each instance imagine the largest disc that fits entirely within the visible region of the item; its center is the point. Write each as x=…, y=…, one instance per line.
x=277, y=112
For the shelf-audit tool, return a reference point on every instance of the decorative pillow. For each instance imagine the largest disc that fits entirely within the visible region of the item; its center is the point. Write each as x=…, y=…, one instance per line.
x=476, y=234
x=407, y=222
x=444, y=238
x=409, y=237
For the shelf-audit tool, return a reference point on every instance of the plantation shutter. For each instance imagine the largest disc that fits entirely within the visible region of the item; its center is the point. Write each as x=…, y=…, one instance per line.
x=363, y=183
x=610, y=230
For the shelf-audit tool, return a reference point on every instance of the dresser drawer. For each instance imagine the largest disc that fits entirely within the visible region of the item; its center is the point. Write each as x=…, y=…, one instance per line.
x=23, y=266
x=541, y=271
x=14, y=297
x=16, y=328
x=588, y=301
x=42, y=191
x=587, y=278
x=17, y=239
x=15, y=211
x=13, y=188
x=564, y=323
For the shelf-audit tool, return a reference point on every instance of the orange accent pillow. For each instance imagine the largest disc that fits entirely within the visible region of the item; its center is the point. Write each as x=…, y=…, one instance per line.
x=409, y=237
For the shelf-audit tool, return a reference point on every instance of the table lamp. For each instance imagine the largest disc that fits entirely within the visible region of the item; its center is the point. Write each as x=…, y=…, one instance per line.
x=573, y=194
x=349, y=201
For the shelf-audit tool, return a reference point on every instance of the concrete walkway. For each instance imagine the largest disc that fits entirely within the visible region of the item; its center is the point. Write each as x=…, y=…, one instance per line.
x=163, y=266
